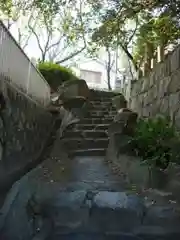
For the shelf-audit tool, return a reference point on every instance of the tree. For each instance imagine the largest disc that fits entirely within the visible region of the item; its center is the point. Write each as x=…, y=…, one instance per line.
x=154, y=22
x=15, y=15
x=60, y=28
x=114, y=30
x=109, y=65
x=12, y=10
x=65, y=30
x=108, y=62
x=161, y=30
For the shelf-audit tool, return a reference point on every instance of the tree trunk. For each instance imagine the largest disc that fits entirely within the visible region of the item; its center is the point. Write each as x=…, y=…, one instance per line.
x=129, y=55
x=109, y=69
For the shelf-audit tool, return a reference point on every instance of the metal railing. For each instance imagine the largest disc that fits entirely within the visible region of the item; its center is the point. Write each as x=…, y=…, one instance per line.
x=17, y=68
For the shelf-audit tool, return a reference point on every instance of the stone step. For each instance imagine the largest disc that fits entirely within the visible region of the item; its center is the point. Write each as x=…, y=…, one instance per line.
x=101, y=117
x=92, y=236
x=106, y=213
x=89, y=152
x=102, y=101
x=96, y=121
x=100, y=104
x=102, y=93
x=103, y=110
x=100, y=96
x=86, y=133
x=104, y=116
x=103, y=113
x=92, y=127
x=85, y=143
x=95, y=211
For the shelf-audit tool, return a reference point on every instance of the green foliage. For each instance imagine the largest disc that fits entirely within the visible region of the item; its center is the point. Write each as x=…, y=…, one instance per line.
x=5, y=6
x=161, y=30
x=55, y=74
x=154, y=22
x=156, y=141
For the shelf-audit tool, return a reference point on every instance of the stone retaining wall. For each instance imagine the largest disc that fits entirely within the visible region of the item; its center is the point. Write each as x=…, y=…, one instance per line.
x=159, y=92
x=139, y=175
x=24, y=129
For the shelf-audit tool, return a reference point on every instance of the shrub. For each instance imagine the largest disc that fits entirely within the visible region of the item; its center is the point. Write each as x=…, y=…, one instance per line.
x=156, y=141
x=55, y=74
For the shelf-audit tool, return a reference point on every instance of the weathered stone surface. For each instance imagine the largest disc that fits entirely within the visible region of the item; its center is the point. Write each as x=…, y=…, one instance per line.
x=74, y=102
x=15, y=208
x=174, y=100
x=77, y=105
x=146, y=111
x=74, y=88
x=165, y=217
x=102, y=94
x=24, y=132
x=164, y=105
x=112, y=211
x=175, y=59
x=145, y=85
x=119, y=102
x=174, y=84
x=121, y=130
x=68, y=209
x=157, y=233
x=68, y=118
x=177, y=118
x=94, y=236
x=119, y=200
x=116, y=127
x=162, y=85
x=124, y=122
x=151, y=80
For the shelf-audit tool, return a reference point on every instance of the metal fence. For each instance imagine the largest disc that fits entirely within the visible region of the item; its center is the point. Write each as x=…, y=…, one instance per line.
x=17, y=68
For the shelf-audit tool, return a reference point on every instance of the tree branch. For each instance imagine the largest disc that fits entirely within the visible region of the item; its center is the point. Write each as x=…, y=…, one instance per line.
x=83, y=36
x=30, y=34
x=129, y=56
x=37, y=38
x=55, y=44
x=71, y=55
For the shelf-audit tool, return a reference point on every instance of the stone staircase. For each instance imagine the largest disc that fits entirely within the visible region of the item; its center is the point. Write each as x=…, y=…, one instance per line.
x=89, y=137
x=105, y=215
x=92, y=204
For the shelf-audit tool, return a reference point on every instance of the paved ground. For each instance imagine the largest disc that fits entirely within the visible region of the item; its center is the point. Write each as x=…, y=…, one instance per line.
x=79, y=173
x=92, y=173
x=69, y=184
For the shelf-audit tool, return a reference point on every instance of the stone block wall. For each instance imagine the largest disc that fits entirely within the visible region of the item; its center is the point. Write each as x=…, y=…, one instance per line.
x=24, y=129
x=159, y=91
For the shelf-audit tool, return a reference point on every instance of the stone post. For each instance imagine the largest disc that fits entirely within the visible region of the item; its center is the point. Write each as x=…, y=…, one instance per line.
x=160, y=53
x=148, y=57
x=152, y=63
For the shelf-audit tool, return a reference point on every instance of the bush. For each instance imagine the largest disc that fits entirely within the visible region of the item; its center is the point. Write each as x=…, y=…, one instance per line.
x=156, y=141
x=55, y=74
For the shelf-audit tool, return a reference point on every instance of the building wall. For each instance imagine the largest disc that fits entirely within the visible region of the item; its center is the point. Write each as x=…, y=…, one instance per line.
x=93, y=65
x=92, y=78
x=159, y=91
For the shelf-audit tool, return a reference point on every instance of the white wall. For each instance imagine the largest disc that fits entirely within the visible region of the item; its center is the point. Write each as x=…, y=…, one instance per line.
x=18, y=69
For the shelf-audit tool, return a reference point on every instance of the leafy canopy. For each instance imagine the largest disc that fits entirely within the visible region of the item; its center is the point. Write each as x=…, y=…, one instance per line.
x=134, y=25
